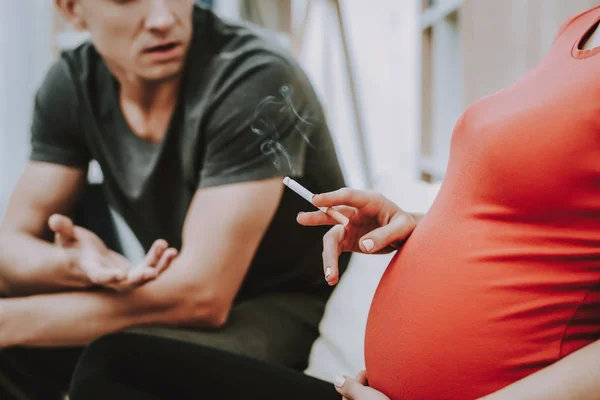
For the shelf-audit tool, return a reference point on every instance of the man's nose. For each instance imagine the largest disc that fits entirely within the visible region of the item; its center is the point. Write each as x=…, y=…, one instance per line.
x=160, y=17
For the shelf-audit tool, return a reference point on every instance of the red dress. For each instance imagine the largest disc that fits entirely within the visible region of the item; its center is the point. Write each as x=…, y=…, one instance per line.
x=502, y=277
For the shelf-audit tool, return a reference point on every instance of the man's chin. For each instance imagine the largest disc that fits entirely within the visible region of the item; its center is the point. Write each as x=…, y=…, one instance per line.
x=161, y=73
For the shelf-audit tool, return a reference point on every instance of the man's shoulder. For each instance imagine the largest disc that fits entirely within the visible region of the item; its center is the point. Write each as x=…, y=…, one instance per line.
x=70, y=70
x=236, y=60
x=237, y=47
x=80, y=59
x=57, y=135
x=224, y=32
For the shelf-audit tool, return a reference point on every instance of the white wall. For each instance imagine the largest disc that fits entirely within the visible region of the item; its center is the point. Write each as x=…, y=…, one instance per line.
x=25, y=55
x=228, y=9
x=3, y=98
x=383, y=37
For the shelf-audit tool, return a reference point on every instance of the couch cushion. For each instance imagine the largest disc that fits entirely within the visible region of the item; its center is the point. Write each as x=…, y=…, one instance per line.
x=339, y=349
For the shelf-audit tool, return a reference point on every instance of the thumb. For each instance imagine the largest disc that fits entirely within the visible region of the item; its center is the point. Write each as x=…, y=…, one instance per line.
x=362, y=378
x=64, y=231
x=348, y=387
x=398, y=229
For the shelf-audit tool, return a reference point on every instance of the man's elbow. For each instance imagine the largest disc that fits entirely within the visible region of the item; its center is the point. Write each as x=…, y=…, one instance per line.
x=199, y=306
x=205, y=311
x=4, y=288
x=216, y=317
x=4, y=283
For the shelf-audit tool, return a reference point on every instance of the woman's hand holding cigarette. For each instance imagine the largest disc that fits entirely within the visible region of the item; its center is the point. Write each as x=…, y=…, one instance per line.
x=376, y=226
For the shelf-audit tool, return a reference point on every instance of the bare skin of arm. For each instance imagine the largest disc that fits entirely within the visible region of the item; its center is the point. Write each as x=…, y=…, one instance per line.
x=29, y=263
x=222, y=231
x=78, y=259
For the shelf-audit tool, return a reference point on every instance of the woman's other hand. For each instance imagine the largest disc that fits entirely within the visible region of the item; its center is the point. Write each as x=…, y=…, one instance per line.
x=357, y=389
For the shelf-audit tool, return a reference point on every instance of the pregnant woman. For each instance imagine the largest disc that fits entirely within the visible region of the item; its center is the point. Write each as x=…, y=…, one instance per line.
x=494, y=294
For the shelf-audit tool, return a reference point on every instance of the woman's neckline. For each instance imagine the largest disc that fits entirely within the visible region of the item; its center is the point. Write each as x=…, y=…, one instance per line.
x=577, y=51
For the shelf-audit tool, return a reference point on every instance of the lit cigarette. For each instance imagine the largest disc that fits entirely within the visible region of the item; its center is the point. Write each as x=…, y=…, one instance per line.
x=307, y=195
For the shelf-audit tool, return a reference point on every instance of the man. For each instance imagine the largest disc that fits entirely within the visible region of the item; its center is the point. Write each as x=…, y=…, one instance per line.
x=194, y=122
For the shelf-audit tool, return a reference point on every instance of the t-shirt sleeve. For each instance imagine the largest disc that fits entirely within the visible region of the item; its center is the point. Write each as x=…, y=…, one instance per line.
x=56, y=136
x=261, y=124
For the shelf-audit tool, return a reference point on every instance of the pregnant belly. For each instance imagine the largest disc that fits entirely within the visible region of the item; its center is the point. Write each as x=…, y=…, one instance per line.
x=445, y=324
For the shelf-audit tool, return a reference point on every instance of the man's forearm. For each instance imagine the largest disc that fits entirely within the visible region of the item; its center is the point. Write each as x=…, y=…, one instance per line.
x=66, y=319
x=29, y=265
x=576, y=377
x=76, y=318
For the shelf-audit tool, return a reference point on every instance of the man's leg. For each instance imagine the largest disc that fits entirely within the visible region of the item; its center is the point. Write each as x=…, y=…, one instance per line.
x=36, y=373
x=279, y=328
x=143, y=367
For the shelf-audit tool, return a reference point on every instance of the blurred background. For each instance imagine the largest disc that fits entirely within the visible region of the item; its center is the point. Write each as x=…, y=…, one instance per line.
x=394, y=75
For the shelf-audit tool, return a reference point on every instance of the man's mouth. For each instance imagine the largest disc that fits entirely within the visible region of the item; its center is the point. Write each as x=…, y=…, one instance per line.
x=162, y=47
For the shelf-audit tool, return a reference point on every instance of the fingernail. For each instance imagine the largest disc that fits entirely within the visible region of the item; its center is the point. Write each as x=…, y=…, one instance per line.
x=339, y=381
x=368, y=244
x=328, y=272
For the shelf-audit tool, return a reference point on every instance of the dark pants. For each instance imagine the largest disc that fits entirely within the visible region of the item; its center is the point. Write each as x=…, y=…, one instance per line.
x=36, y=373
x=141, y=367
x=277, y=328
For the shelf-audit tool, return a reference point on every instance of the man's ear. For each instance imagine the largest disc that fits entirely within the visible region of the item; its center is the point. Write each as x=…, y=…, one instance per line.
x=72, y=12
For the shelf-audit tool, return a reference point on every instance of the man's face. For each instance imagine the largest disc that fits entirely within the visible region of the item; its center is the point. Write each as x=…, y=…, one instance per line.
x=146, y=38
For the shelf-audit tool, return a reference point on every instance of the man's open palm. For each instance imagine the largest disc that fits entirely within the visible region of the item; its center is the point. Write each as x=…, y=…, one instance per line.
x=103, y=267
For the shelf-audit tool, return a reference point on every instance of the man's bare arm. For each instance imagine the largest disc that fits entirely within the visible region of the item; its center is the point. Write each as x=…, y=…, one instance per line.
x=222, y=231
x=28, y=264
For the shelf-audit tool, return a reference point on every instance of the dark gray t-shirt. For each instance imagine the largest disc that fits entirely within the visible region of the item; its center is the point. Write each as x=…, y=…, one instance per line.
x=246, y=112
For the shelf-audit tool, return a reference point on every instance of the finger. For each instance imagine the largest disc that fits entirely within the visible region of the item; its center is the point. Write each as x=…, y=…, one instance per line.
x=331, y=252
x=103, y=276
x=155, y=253
x=348, y=387
x=345, y=196
x=62, y=226
x=121, y=287
x=399, y=228
x=166, y=260
x=318, y=218
x=361, y=378
x=138, y=276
